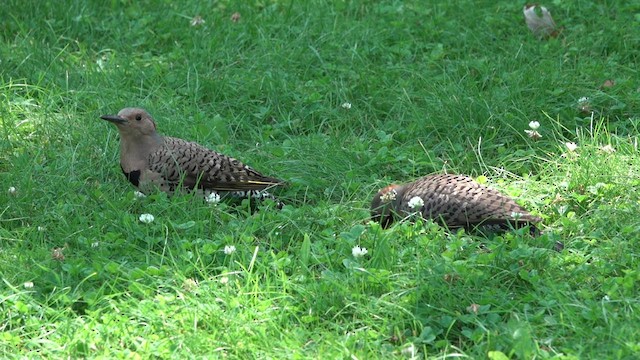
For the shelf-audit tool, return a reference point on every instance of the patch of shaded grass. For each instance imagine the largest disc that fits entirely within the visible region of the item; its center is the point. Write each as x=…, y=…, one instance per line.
x=432, y=87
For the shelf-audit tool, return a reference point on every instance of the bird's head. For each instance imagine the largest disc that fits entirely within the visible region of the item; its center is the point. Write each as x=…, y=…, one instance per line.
x=132, y=122
x=383, y=204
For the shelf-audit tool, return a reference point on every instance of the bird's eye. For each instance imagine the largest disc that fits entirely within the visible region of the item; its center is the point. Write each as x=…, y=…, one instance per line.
x=138, y=117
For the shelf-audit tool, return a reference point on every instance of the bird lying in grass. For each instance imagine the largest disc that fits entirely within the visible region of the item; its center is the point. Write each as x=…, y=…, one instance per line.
x=451, y=200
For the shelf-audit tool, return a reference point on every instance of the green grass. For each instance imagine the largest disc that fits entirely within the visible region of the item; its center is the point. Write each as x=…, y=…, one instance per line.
x=433, y=87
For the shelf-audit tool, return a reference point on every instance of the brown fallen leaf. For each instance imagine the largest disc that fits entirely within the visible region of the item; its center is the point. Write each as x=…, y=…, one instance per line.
x=558, y=199
x=235, y=17
x=451, y=278
x=607, y=84
x=197, y=20
x=533, y=134
x=57, y=254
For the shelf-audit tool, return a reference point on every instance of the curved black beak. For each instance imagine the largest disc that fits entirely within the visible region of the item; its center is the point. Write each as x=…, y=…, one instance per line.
x=114, y=119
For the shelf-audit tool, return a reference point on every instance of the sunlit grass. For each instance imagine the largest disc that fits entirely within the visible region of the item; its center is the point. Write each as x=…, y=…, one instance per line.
x=431, y=87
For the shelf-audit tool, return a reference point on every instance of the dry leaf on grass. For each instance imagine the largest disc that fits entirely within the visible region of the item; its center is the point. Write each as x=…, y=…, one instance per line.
x=607, y=84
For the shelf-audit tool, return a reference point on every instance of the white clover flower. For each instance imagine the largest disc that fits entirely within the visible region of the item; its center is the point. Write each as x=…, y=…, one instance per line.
x=224, y=280
x=410, y=351
x=415, y=202
x=213, y=198
x=28, y=285
x=534, y=125
x=12, y=190
x=473, y=308
x=147, y=218
x=571, y=146
x=190, y=284
x=139, y=195
x=229, y=249
x=346, y=105
x=389, y=196
x=357, y=251
x=608, y=149
x=534, y=134
x=584, y=105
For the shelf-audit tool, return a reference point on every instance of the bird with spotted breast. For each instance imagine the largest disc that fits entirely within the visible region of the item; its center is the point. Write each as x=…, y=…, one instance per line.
x=452, y=200
x=149, y=160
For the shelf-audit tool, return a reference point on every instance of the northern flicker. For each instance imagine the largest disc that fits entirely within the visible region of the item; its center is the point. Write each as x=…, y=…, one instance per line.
x=149, y=160
x=452, y=200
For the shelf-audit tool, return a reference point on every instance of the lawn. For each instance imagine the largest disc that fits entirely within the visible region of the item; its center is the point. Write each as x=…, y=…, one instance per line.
x=338, y=98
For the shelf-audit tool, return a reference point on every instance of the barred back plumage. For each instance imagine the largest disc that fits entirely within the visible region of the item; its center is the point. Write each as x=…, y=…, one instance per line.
x=452, y=200
x=149, y=160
